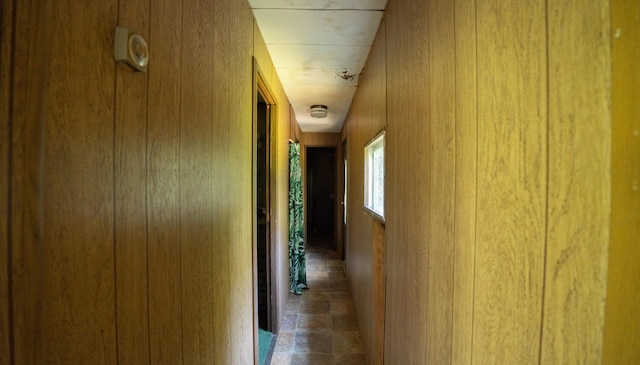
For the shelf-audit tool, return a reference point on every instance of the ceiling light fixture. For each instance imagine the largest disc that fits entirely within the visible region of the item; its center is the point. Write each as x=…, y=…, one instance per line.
x=318, y=111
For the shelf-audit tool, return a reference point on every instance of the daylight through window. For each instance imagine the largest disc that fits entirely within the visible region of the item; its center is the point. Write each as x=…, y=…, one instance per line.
x=374, y=175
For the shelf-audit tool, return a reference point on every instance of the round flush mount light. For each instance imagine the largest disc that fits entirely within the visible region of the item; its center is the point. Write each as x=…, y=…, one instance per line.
x=318, y=111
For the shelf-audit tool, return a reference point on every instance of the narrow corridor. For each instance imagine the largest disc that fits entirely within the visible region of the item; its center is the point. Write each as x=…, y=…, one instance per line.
x=320, y=326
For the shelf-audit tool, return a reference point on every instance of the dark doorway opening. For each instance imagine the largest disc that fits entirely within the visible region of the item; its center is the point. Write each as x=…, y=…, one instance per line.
x=321, y=196
x=343, y=204
x=262, y=215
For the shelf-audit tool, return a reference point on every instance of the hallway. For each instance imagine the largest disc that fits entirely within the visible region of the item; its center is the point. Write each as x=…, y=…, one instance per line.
x=320, y=326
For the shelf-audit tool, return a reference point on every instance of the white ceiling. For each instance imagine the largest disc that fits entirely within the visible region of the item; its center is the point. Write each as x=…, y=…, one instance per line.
x=319, y=48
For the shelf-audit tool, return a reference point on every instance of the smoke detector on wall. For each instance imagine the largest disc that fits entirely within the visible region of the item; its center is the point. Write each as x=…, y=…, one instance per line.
x=318, y=111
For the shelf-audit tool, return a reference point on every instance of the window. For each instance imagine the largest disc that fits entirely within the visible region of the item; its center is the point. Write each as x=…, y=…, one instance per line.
x=374, y=175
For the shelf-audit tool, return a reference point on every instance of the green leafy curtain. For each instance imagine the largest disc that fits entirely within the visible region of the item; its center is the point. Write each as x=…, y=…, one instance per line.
x=297, y=263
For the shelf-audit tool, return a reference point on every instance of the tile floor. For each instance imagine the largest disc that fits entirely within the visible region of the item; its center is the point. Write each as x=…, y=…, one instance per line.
x=320, y=326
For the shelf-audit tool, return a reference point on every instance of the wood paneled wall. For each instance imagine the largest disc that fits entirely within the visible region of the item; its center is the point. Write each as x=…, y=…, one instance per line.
x=280, y=134
x=127, y=194
x=365, y=120
x=6, y=34
x=497, y=182
x=579, y=181
x=622, y=323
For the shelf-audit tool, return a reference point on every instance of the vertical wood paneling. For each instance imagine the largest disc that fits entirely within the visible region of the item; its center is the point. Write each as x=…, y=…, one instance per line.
x=622, y=324
x=442, y=102
x=261, y=53
x=6, y=48
x=321, y=139
x=62, y=175
x=163, y=191
x=378, y=290
x=223, y=188
x=465, y=180
x=237, y=240
x=131, y=198
x=281, y=224
x=129, y=217
x=578, y=205
x=240, y=176
x=408, y=191
x=196, y=189
x=76, y=289
x=511, y=181
x=280, y=127
x=32, y=27
x=364, y=263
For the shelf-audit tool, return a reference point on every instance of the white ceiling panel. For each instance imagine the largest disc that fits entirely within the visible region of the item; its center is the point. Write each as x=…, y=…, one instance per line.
x=319, y=76
x=318, y=27
x=333, y=96
x=318, y=48
x=319, y=4
x=312, y=56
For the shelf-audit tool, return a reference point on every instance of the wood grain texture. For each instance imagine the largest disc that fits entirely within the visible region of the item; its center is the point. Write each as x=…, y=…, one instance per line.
x=511, y=181
x=62, y=175
x=131, y=198
x=77, y=286
x=407, y=176
x=196, y=188
x=317, y=139
x=282, y=124
x=129, y=241
x=578, y=203
x=622, y=322
x=6, y=50
x=378, y=289
x=163, y=189
x=465, y=181
x=223, y=188
x=261, y=53
x=32, y=27
x=442, y=148
x=241, y=141
x=366, y=119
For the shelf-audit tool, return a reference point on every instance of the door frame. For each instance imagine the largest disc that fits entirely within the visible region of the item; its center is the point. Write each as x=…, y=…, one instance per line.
x=262, y=88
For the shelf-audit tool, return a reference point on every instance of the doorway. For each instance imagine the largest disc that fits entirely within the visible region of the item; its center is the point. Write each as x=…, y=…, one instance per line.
x=264, y=266
x=343, y=204
x=263, y=229
x=321, y=196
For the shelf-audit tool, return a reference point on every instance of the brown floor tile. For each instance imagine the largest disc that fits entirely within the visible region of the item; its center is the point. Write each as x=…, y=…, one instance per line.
x=344, y=322
x=293, y=306
x=315, y=295
x=349, y=359
x=334, y=262
x=314, y=307
x=284, y=343
x=340, y=294
x=319, y=326
x=289, y=322
x=342, y=306
x=281, y=358
x=314, y=342
x=312, y=359
x=347, y=342
x=314, y=322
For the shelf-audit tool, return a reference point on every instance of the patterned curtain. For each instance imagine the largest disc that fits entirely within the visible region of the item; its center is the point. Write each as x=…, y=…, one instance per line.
x=297, y=263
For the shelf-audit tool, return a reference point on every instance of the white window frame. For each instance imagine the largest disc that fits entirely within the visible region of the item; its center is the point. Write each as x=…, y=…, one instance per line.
x=374, y=172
